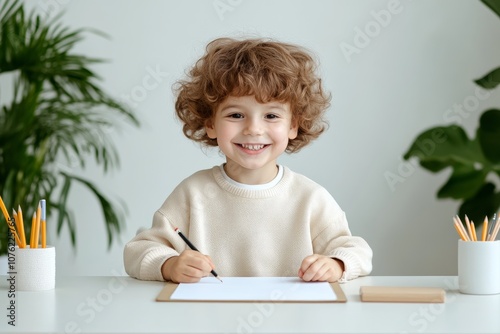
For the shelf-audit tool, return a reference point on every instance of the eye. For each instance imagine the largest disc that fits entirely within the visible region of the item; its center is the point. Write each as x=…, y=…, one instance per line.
x=272, y=116
x=235, y=115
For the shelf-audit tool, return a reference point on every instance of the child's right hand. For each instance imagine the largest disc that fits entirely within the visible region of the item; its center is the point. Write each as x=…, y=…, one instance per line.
x=189, y=267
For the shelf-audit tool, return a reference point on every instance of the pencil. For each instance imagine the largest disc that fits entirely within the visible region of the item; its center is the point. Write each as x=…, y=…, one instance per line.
x=4, y=210
x=21, y=225
x=459, y=230
x=37, y=226
x=16, y=220
x=485, y=229
x=462, y=228
x=8, y=220
x=491, y=227
x=44, y=227
x=32, y=233
x=467, y=223
x=495, y=231
x=473, y=229
x=194, y=248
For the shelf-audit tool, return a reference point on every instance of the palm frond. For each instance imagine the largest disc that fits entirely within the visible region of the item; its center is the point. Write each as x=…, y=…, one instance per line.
x=111, y=214
x=59, y=115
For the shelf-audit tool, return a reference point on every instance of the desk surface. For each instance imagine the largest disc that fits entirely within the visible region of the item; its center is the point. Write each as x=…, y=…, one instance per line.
x=118, y=304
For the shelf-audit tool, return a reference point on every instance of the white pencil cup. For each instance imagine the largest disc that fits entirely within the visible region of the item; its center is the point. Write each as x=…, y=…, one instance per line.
x=35, y=268
x=479, y=267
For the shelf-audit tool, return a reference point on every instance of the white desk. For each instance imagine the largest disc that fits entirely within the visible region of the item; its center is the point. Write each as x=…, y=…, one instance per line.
x=125, y=305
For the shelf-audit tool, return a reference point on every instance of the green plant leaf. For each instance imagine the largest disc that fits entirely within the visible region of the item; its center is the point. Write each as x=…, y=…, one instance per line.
x=490, y=80
x=112, y=216
x=441, y=147
x=464, y=182
x=472, y=160
x=433, y=166
x=488, y=134
x=485, y=203
x=7, y=9
x=61, y=206
x=494, y=5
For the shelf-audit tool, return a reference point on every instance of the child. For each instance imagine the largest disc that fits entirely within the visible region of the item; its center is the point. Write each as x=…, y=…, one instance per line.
x=254, y=99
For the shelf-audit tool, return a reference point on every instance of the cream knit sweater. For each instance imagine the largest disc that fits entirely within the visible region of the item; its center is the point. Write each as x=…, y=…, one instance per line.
x=248, y=232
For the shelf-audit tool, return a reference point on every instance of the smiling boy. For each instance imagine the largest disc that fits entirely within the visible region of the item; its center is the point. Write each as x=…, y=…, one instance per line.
x=254, y=99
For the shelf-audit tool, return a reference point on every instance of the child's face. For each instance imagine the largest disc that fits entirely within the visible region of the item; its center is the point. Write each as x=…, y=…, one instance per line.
x=252, y=135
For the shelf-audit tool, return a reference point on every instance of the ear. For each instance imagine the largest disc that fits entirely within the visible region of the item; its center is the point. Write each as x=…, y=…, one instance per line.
x=210, y=129
x=294, y=129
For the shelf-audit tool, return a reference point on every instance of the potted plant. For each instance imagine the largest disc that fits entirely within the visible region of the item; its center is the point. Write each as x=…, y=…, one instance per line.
x=57, y=116
x=475, y=162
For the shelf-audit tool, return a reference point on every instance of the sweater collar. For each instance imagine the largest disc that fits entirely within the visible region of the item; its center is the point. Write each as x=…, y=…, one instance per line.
x=235, y=188
x=264, y=186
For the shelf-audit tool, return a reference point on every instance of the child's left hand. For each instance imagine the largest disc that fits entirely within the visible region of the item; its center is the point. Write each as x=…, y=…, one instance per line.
x=321, y=268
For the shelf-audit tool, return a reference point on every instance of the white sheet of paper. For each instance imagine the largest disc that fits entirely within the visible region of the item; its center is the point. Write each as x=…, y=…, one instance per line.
x=254, y=289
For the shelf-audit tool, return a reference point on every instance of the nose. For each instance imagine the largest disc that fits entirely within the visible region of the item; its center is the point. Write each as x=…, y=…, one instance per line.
x=253, y=127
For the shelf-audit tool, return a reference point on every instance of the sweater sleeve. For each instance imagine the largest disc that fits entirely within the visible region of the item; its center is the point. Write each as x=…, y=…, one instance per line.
x=331, y=237
x=145, y=254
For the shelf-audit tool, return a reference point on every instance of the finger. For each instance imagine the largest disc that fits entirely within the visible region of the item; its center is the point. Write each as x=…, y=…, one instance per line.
x=200, y=263
x=194, y=257
x=314, y=271
x=193, y=264
x=322, y=271
x=185, y=274
x=194, y=273
x=307, y=262
x=182, y=278
x=328, y=277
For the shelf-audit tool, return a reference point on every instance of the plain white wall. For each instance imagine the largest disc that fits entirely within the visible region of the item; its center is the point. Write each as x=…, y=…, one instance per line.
x=405, y=76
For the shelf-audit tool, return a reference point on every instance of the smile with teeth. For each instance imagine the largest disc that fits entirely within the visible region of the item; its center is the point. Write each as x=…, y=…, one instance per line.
x=252, y=147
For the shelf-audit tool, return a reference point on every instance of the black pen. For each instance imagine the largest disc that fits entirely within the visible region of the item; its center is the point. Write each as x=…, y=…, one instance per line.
x=186, y=240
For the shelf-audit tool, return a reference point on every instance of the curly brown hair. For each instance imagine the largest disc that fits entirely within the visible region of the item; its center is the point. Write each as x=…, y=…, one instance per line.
x=266, y=69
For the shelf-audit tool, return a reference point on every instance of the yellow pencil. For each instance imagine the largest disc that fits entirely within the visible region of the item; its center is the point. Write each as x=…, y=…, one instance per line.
x=21, y=225
x=4, y=210
x=459, y=230
x=467, y=223
x=44, y=225
x=16, y=221
x=33, y=227
x=485, y=229
x=7, y=218
x=473, y=228
x=37, y=226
